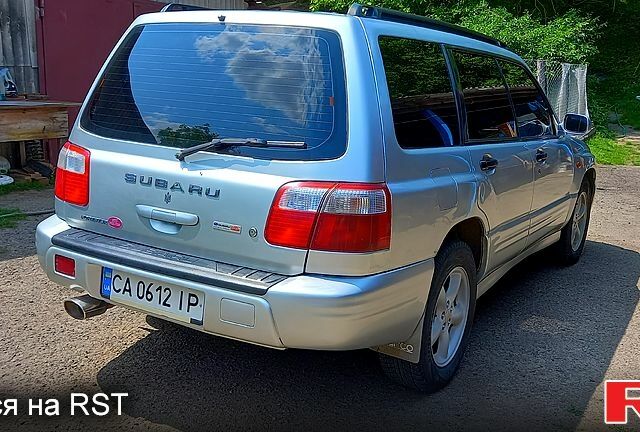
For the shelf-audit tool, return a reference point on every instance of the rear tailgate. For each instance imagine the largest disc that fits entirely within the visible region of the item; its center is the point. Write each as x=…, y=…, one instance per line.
x=219, y=213
x=176, y=84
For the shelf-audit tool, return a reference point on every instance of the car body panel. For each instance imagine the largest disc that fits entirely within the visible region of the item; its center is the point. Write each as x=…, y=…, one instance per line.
x=553, y=181
x=504, y=196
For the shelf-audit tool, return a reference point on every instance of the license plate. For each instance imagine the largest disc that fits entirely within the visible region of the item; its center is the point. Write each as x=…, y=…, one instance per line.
x=182, y=304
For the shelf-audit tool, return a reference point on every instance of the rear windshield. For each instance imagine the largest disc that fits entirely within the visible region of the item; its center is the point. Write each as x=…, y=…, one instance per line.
x=179, y=85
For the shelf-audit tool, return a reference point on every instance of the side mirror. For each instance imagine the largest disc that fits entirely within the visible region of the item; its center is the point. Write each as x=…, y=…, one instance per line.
x=577, y=124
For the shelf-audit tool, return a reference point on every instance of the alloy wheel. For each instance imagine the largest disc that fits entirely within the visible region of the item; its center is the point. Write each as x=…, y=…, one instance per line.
x=450, y=316
x=579, y=222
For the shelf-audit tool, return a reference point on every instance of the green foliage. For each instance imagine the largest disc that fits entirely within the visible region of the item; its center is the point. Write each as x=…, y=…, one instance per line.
x=15, y=187
x=419, y=7
x=414, y=68
x=568, y=37
x=477, y=71
x=599, y=111
x=614, y=74
x=608, y=151
x=186, y=136
x=9, y=217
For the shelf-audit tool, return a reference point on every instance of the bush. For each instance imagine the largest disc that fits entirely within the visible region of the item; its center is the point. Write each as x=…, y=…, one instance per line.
x=569, y=37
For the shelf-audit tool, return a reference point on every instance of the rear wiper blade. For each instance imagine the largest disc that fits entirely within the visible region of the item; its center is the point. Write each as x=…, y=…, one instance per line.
x=220, y=143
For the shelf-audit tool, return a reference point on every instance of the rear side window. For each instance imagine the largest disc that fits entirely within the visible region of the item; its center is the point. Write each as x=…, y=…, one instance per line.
x=486, y=98
x=178, y=85
x=533, y=114
x=422, y=99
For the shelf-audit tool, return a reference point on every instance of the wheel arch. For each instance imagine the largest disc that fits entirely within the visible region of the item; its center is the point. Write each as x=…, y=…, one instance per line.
x=471, y=231
x=590, y=176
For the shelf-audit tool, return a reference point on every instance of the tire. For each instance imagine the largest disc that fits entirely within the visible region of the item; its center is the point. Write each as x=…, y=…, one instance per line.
x=435, y=370
x=568, y=249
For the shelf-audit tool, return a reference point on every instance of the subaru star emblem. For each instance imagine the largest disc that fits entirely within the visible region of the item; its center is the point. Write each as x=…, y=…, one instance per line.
x=167, y=197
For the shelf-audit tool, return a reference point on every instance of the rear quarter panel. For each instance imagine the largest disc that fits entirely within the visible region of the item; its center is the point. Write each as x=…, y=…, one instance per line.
x=432, y=189
x=584, y=161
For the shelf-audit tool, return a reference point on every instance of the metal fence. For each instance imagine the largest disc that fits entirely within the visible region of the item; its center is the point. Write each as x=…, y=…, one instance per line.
x=565, y=85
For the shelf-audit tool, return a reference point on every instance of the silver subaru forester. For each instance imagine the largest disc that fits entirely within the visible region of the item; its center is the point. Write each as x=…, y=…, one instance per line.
x=316, y=181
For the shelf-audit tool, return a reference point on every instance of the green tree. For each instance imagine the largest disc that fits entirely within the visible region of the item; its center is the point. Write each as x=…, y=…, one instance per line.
x=569, y=37
x=185, y=135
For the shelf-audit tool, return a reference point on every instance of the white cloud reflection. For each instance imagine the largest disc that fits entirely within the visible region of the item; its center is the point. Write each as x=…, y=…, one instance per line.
x=279, y=71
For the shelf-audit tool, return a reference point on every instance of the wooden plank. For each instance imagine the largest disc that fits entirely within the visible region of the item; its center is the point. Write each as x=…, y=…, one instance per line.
x=26, y=78
x=3, y=15
x=33, y=124
x=5, y=35
x=17, y=29
x=34, y=81
x=30, y=15
x=23, y=153
x=18, y=48
x=20, y=79
x=35, y=104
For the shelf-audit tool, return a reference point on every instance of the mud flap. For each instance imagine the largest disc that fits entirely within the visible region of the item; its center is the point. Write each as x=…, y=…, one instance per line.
x=408, y=350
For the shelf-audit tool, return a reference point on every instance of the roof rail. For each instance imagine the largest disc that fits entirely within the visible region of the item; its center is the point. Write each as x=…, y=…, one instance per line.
x=418, y=20
x=177, y=7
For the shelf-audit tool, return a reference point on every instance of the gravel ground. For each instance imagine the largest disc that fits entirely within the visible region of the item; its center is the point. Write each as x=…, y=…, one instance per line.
x=544, y=340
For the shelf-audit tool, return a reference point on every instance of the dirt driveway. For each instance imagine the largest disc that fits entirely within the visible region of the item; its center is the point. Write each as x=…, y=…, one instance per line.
x=544, y=340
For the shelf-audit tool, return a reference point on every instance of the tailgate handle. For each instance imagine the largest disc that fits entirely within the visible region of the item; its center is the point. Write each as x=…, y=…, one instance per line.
x=164, y=215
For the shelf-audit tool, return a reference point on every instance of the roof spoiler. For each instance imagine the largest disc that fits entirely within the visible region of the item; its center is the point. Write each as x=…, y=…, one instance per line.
x=177, y=7
x=418, y=20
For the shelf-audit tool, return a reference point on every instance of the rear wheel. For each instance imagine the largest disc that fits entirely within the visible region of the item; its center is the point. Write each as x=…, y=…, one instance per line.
x=574, y=235
x=448, y=318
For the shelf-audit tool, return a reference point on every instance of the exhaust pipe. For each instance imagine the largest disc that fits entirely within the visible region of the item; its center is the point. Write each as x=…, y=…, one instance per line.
x=85, y=307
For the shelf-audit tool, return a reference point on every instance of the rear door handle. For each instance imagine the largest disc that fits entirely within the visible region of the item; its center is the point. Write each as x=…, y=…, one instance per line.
x=541, y=155
x=488, y=162
x=164, y=215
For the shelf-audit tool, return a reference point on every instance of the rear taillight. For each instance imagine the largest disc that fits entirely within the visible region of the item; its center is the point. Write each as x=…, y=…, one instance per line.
x=72, y=175
x=326, y=216
x=65, y=265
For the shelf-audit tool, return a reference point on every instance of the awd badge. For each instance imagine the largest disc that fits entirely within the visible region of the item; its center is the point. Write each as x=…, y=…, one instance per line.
x=224, y=226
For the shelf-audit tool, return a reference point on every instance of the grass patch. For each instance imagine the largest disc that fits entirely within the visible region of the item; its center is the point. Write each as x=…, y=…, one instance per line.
x=16, y=187
x=608, y=151
x=10, y=222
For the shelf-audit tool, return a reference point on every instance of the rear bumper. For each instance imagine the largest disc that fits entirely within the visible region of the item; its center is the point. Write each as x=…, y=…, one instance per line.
x=305, y=311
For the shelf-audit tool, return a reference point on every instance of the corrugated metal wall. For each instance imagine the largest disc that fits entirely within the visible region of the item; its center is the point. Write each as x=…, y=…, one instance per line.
x=18, y=43
x=213, y=4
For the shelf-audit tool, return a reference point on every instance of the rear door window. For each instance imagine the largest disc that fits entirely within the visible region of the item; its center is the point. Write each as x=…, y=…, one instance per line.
x=178, y=85
x=422, y=100
x=489, y=112
x=533, y=113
